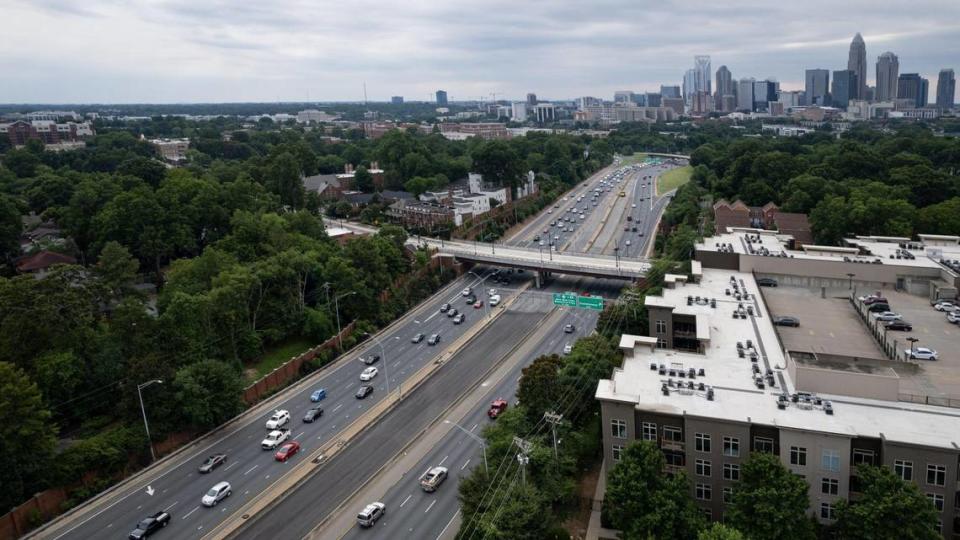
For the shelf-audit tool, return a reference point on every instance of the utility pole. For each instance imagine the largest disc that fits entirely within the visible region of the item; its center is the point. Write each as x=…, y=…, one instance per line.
x=554, y=419
x=522, y=458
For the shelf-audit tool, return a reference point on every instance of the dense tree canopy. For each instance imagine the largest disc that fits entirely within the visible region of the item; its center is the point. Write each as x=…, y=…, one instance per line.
x=770, y=501
x=888, y=504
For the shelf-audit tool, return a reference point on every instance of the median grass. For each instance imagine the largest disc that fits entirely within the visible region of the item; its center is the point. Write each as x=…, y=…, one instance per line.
x=673, y=179
x=278, y=354
x=635, y=158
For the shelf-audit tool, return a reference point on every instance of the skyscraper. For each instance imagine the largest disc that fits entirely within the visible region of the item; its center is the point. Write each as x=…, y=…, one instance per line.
x=845, y=83
x=888, y=69
x=442, y=98
x=724, y=86
x=531, y=99
x=818, y=85
x=701, y=64
x=857, y=63
x=689, y=86
x=669, y=91
x=763, y=93
x=946, y=89
x=745, y=95
x=913, y=87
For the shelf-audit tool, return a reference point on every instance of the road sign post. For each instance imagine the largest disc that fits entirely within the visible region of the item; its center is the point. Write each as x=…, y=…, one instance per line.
x=565, y=299
x=590, y=302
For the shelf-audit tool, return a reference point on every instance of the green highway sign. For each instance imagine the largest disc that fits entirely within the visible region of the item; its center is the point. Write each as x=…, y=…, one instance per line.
x=565, y=299
x=590, y=302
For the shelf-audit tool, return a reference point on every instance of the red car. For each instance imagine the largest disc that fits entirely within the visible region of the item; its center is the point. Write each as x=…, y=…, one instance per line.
x=496, y=408
x=478, y=304
x=287, y=450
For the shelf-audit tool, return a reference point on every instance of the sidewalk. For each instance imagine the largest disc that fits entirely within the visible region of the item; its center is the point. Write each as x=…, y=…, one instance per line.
x=595, y=530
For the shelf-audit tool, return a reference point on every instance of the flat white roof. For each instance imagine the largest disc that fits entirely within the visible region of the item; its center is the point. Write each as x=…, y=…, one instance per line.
x=736, y=397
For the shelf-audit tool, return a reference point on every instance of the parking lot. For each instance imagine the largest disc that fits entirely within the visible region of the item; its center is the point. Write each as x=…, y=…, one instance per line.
x=832, y=326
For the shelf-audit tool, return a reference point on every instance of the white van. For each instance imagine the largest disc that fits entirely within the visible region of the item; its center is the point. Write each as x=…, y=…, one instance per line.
x=494, y=300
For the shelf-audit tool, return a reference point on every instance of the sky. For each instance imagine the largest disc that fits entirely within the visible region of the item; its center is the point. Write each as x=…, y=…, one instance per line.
x=190, y=51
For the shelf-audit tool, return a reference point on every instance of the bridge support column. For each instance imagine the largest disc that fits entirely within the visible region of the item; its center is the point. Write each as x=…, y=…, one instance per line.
x=541, y=278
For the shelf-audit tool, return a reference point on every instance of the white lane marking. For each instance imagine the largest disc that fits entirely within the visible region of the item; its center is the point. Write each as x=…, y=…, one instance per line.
x=444, y=459
x=171, y=506
x=465, y=463
x=251, y=470
x=337, y=407
x=298, y=435
x=431, y=506
x=195, y=508
x=231, y=465
x=474, y=427
x=405, y=501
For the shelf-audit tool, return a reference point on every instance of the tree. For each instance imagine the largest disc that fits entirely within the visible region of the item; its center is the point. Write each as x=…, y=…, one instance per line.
x=498, y=163
x=23, y=163
x=208, y=393
x=27, y=436
x=116, y=269
x=363, y=180
x=10, y=227
x=770, y=502
x=540, y=388
x=643, y=502
x=719, y=531
x=418, y=185
x=941, y=218
x=282, y=176
x=149, y=170
x=888, y=504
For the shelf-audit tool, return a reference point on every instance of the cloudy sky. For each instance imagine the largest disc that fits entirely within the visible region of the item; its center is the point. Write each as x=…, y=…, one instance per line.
x=161, y=51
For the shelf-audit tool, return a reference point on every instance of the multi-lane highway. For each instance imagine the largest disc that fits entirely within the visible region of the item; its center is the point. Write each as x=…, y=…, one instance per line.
x=176, y=486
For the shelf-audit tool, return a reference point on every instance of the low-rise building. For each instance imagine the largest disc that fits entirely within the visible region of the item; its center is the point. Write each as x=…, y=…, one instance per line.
x=172, y=150
x=49, y=132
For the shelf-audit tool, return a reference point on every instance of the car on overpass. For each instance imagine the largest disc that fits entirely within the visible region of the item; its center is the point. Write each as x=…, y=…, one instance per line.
x=786, y=321
x=150, y=525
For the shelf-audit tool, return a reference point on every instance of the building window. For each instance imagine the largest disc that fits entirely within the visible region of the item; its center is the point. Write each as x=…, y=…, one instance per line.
x=763, y=444
x=618, y=429
x=617, y=452
x=727, y=495
x=649, y=431
x=829, y=486
x=661, y=327
x=731, y=471
x=704, y=492
x=672, y=434
x=862, y=456
x=830, y=460
x=661, y=343
x=904, y=469
x=702, y=442
x=937, y=501
x=798, y=456
x=707, y=513
x=936, y=475
x=703, y=467
x=731, y=447
x=826, y=511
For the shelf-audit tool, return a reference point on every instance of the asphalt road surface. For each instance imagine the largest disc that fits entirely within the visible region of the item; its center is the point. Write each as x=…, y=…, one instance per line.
x=177, y=487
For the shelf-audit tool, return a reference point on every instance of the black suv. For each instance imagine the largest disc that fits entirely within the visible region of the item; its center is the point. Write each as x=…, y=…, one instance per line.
x=150, y=525
x=364, y=391
x=312, y=414
x=371, y=359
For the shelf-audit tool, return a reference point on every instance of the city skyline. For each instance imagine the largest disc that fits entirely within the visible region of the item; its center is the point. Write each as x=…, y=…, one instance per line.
x=176, y=51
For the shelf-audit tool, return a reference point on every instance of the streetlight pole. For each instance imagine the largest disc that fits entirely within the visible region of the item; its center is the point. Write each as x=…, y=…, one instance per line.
x=483, y=443
x=913, y=341
x=336, y=302
x=146, y=427
x=386, y=366
x=850, y=279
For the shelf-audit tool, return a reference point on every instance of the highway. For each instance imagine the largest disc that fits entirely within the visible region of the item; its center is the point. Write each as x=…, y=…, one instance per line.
x=174, y=485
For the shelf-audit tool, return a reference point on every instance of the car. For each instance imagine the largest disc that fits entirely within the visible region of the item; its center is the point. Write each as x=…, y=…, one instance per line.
x=445, y=307
x=629, y=218
x=536, y=238
x=364, y=391
x=212, y=462
x=641, y=233
x=432, y=479
x=287, y=451
x=766, y=282
x=567, y=349
x=494, y=300
x=434, y=339
x=466, y=292
x=318, y=395
x=371, y=513
x=550, y=211
x=633, y=229
x=470, y=299
x=312, y=414
x=626, y=229
x=633, y=206
x=371, y=359
x=491, y=292
x=786, y=321
x=873, y=299
x=945, y=305
x=150, y=525
x=628, y=242
x=954, y=317
x=278, y=418
x=887, y=316
x=899, y=324
x=880, y=306
x=219, y=492
x=459, y=319
x=478, y=304
x=497, y=407
x=920, y=353
x=369, y=373
x=274, y=439
x=417, y=338
x=568, y=329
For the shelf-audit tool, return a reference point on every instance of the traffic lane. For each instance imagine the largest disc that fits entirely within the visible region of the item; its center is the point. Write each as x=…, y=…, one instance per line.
x=315, y=498
x=181, y=484
x=578, y=242
x=412, y=511
x=648, y=227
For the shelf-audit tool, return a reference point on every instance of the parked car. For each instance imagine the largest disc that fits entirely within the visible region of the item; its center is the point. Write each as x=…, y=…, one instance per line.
x=217, y=493
x=766, y=282
x=364, y=391
x=459, y=319
x=287, y=451
x=873, y=299
x=212, y=463
x=878, y=307
x=921, y=353
x=278, y=418
x=945, y=306
x=954, y=317
x=150, y=525
x=786, y=321
x=434, y=339
x=318, y=395
x=887, y=316
x=899, y=324
x=417, y=338
x=369, y=373
x=370, y=514
x=371, y=359
x=312, y=414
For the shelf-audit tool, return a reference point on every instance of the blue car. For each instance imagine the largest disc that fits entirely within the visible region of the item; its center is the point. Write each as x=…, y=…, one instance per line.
x=317, y=395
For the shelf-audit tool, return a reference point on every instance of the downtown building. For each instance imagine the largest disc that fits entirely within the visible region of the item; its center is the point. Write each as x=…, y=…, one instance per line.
x=713, y=381
x=946, y=89
x=888, y=71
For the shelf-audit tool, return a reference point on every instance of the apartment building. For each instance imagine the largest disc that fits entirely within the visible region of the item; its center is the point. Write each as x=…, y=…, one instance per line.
x=49, y=132
x=712, y=383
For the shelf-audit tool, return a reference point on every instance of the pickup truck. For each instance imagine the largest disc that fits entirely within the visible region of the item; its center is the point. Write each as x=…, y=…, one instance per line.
x=433, y=478
x=278, y=419
x=497, y=407
x=275, y=438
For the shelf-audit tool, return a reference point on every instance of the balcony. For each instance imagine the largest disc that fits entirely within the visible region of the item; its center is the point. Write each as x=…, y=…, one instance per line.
x=673, y=469
x=676, y=446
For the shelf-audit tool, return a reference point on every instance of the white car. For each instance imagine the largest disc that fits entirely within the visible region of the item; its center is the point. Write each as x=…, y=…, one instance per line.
x=371, y=513
x=945, y=306
x=567, y=349
x=369, y=373
x=492, y=292
x=466, y=292
x=921, y=353
x=628, y=242
x=216, y=494
x=633, y=206
x=278, y=418
x=887, y=316
x=954, y=317
x=494, y=300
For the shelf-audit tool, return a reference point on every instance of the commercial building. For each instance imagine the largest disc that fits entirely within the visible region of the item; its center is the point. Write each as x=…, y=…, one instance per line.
x=913, y=87
x=172, y=150
x=441, y=98
x=689, y=86
x=763, y=93
x=844, y=85
x=745, y=99
x=888, y=70
x=544, y=113
x=652, y=99
x=818, y=87
x=701, y=65
x=531, y=99
x=857, y=63
x=673, y=103
x=624, y=96
x=724, y=87
x=49, y=132
x=310, y=116
x=670, y=91
x=946, y=89
x=396, y=100
x=484, y=130
x=715, y=380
